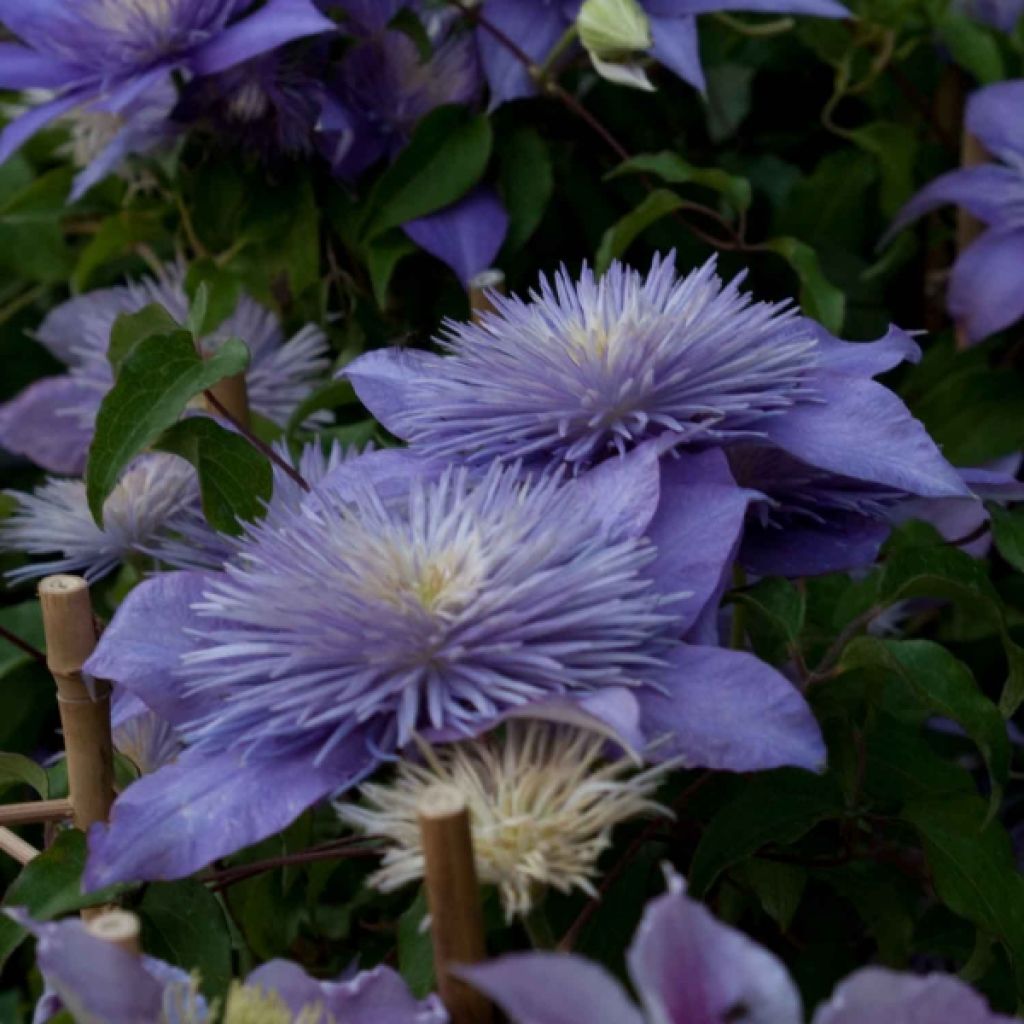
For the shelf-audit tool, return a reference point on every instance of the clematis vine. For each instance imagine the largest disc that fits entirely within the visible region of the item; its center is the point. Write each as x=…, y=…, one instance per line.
x=537, y=26
x=688, y=968
x=51, y=421
x=985, y=293
x=102, y=55
x=403, y=599
x=587, y=370
x=94, y=980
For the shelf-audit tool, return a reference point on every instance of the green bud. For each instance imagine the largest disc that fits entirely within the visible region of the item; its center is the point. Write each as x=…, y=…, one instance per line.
x=614, y=32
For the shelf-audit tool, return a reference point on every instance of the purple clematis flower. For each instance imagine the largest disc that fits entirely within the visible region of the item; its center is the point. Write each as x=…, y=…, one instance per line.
x=400, y=599
x=985, y=288
x=51, y=421
x=688, y=968
x=141, y=735
x=102, y=55
x=536, y=25
x=586, y=370
x=97, y=981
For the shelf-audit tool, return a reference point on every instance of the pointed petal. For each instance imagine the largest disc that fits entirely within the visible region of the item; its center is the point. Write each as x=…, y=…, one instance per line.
x=276, y=23
x=690, y=967
x=818, y=8
x=181, y=818
x=533, y=27
x=987, y=191
x=387, y=382
x=623, y=493
x=22, y=68
x=729, y=711
x=985, y=293
x=22, y=128
x=677, y=46
x=875, y=994
x=465, y=236
x=44, y=424
x=866, y=358
x=697, y=531
x=993, y=116
x=861, y=429
x=141, y=649
x=552, y=988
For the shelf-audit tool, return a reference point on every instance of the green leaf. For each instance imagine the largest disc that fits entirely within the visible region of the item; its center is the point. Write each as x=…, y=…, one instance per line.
x=183, y=923
x=621, y=235
x=154, y=385
x=972, y=46
x=527, y=184
x=117, y=237
x=942, y=571
x=131, y=328
x=382, y=258
x=780, y=609
x=333, y=395
x=49, y=887
x=223, y=289
x=25, y=622
x=1008, y=533
x=777, y=807
x=974, y=869
x=235, y=480
x=674, y=170
x=895, y=150
x=819, y=298
x=445, y=158
x=728, y=98
x=16, y=769
x=945, y=686
x=415, y=948
x=779, y=887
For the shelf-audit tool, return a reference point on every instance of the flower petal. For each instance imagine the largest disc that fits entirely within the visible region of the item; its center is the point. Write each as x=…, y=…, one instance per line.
x=865, y=358
x=985, y=293
x=729, y=711
x=387, y=382
x=697, y=531
x=141, y=649
x=44, y=425
x=993, y=116
x=677, y=46
x=533, y=27
x=552, y=988
x=862, y=430
x=690, y=967
x=819, y=8
x=22, y=128
x=179, y=819
x=876, y=994
x=276, y=23
x=623, y=493
x=22, y=68
x=465, y=236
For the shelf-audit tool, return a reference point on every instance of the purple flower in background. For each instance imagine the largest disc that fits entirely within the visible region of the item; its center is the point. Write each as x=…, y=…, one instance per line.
x=537, y=25
x=104, y=54
x=141, y=735
x=875, y=994
x=586, y=370
x=686, y=968
x=154, y=496
x=399, y=599
x=368, y=16
x=51, y=421
x=97, y=981
x=689, y=968
x=986, y=288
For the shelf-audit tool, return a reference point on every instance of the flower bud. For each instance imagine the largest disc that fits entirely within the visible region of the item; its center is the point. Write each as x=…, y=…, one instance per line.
x=613, y=33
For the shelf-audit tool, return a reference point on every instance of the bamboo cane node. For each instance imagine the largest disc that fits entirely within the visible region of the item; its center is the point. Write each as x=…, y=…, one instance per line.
x=118, y=927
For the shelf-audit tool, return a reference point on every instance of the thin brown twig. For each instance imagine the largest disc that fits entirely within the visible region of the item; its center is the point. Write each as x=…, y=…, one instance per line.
x=343, y=850
x=258, y=443
x=23, y=645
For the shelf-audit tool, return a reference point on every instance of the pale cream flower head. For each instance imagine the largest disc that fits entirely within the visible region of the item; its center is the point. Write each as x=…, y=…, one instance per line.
x=542, y=799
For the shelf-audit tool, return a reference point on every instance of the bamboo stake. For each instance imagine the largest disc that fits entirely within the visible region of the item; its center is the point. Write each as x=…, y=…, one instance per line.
x=37, y=812
x=480, y=287
x=453, y=895
x=233, y=394
x=70, y=639
x=14, y=846
x=118, y=927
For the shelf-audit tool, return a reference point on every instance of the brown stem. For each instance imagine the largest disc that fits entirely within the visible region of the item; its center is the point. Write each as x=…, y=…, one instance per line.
x=23, y=645
x=258, y=443
x=343, y=850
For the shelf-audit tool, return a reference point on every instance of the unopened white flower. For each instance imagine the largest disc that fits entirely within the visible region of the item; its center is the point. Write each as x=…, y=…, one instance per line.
x=542, y=800
x=614, y=33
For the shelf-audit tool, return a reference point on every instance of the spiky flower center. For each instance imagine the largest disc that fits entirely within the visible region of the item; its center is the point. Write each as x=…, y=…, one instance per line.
x=543, y=802
x=247, y=1004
